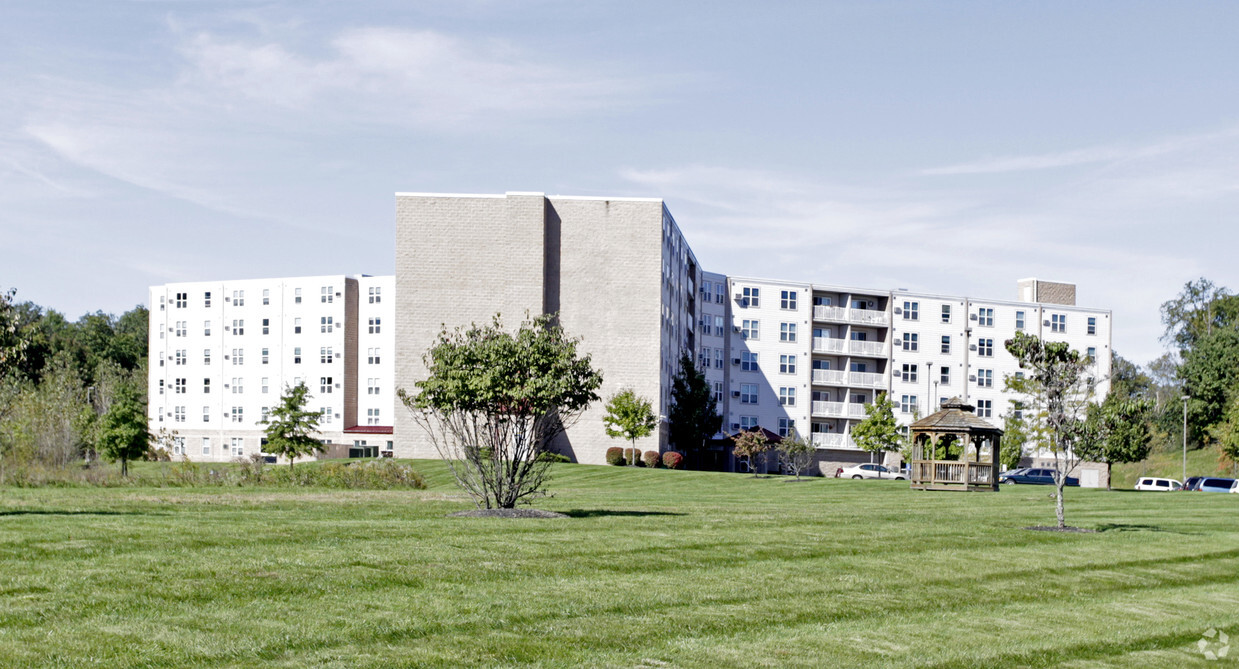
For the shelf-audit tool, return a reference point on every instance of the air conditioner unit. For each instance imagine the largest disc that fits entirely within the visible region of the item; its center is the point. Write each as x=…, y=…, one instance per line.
x=972, y=347
x=739, y=296
x=225, y=385
x=225, y=356
x=1046, y=323
x=735, y=328
x=869, y=304
x=972, y=317
x=735, y=361
x=898, y=311
x=227, y=328
x=735, y=393
x=337, y=385
x=734, y=426
x=972, y=377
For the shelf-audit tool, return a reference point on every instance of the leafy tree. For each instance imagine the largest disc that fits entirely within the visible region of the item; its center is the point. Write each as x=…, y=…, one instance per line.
x=12, y=345
x=796, y=453
x=1016, y=434
x=1196, y=312
x=1059, y=388
x=879, y=431
x=495, y=400
x=1210, y=374
x=692, y=417
x=290, y=426
x=629, y=416
x=1115, y=431
x=1128, y=381
x=751, y=444
x=123, y=434
x=1226, y=433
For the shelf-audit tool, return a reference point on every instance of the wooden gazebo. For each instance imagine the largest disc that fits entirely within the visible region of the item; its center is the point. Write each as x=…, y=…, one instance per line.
x=953, y=449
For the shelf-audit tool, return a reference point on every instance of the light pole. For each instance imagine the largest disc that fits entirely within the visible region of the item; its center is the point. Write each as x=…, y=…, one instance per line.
x=1185, y=398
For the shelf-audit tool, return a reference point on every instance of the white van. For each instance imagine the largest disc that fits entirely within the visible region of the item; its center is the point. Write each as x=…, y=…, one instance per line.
x=1163, y=485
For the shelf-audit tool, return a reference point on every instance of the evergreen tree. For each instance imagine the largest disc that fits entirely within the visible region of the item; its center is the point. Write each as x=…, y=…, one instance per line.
x=692, y=416
x=290, y=426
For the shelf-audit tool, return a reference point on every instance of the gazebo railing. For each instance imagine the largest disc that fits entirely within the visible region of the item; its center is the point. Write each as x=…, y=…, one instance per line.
x=952, y=472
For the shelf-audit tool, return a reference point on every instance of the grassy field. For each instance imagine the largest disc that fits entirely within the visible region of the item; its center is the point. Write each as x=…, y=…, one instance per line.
x=655, y=568
x=1201, y=462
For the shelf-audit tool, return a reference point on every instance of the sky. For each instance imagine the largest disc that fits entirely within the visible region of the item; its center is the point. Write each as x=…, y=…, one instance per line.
x=944, y=147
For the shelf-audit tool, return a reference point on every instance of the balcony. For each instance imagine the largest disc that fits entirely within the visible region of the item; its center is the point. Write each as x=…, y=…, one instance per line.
x=876, y=349
x=832, y=440
x=854, y=316
x=831, y=377
x=838, y=410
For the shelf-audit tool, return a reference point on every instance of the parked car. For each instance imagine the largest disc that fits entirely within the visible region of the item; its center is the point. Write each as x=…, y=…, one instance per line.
x=1235, y=487
x=1033, y=476
x=1210, y=484
x=1156, y=484
x=1193, y=482
x=870, y=471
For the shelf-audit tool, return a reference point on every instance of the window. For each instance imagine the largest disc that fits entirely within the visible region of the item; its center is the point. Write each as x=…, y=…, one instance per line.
x=238, y=356
x=373, y=355
x=787, y=427
x=907, y=403
x=1058, y=323
x=238, y=414
x=985, y=408
x=985, y=348
x=946, y=313
x=751, y=297
x=238, y=298
x=266, y=326
x=297, y=355
x=703, y=360
x=238, y=327
x=908, y=373
x=160, y=414
x=297, y=296
x=238, y=447
x=718, y=358
x=180, y=358
x=326, y=413
x=160, y=386
x=162, y=299
x=206, y=386
x=206, y=328
x=1091, y=354
x=266, y=412
x=718, y=326
x=206, y=356
x=237, y=384
x=372, y=416
x=944, y=376
x=206, y=299
x=787, y=364
x=326, y=294
x=787, y=397
x=787, y=300
x=180, y=386
x=325, y=324
x=182, y=300
x=178, y=414
x=910, y=341
x=375, y=295
x=985, y=317
x=266, y=296
x=265, y=356
x=161, y=330
x=748, y=361
x=748, y=393
x=718, y=391
x=787, y=332
x=749, y=329
x=1017, y=410
x=985, y=378
x=206, y=445
x=1092, y=325
x=372, y=386
x=374, y=325
x=296, y=326
x=181, y=327
x=1019, y=320
x=748, y=422
x=911, y=311
x=206, y=414
x=324, y=385
x=325, y=355
x=946, y=343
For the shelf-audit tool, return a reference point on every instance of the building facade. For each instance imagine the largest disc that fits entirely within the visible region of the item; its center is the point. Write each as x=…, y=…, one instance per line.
x=780, y=355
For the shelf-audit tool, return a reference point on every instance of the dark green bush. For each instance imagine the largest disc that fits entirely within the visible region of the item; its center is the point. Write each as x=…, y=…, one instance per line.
x=551, y=456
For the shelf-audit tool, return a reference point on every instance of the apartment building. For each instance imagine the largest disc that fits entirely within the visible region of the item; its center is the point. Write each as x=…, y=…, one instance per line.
x=781, y=355
x=221, y=354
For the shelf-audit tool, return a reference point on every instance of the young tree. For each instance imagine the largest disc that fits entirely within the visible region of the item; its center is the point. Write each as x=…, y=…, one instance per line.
x=878, y=432
x=796, y=453
x=12, y=345
x=1115, y=431
x=751, y=444
x=1016, y=433
x=629, y=416
x=1226, y=433
x=495, y=400
x=123, y=434
x=692, y=417
x=1059, y=388
x=290, y=427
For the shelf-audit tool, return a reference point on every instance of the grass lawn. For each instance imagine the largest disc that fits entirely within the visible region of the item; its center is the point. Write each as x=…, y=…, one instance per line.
x=655, y=569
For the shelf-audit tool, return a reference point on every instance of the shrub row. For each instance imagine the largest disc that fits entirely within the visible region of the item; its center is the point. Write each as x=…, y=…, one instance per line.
x=622, y=456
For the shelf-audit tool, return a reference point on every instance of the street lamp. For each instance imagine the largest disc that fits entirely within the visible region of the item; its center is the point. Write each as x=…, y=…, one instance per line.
x=1185, y=398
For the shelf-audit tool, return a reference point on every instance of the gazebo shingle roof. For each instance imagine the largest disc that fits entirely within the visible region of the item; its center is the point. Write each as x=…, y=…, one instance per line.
x=955, y=415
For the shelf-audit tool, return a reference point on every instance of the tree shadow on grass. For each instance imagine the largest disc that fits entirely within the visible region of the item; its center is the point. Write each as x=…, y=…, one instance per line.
x=595, y=513
x=1136, y=527
x=44, y=512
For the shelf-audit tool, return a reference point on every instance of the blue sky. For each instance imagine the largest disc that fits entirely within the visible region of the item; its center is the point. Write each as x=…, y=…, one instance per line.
x=935, y=146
